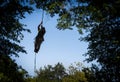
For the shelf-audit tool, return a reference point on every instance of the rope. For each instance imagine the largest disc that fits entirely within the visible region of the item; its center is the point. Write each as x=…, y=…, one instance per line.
x=35, y=67
x=35, y=53
x=42, y=15
x=35, y=63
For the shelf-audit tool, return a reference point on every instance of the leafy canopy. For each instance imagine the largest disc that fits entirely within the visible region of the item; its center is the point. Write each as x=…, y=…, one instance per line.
x=102, y=19
x=10, y=36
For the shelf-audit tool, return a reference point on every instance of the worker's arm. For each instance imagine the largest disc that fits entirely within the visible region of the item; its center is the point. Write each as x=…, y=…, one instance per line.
x=39, y=26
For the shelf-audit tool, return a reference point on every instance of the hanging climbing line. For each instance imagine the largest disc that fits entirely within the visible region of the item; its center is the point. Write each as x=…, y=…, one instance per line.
x=42, y=15
x=38, y=40
x=35, y=63
x=35, y=67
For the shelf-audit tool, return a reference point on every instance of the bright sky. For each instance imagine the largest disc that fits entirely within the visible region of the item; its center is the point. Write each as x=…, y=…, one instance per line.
x=59, y=46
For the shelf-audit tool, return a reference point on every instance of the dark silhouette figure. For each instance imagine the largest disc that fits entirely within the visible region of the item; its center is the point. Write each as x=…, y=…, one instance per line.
x=39, y=38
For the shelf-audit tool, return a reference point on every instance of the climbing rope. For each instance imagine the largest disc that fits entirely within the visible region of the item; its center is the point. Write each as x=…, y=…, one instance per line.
x=39, y=45
x=35, y=63
x=38, y=40
x=42, y=15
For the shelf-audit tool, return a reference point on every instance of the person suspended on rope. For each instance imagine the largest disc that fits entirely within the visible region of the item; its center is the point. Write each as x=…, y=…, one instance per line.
x=40, y=37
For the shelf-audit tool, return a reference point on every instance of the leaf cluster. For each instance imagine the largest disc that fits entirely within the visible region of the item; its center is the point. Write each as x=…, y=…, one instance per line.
x=102, y=19
x=76, y=73
x=11, y=11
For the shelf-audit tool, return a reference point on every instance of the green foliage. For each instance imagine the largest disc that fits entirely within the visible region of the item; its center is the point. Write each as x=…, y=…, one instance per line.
x=104, y=41
x=71, y=13
x=75, y=73
x=11, y=28
x=82, y=14
x=51, y=74
x=101, y=18
x=4, y=78
x=30, y=79
x=10, y=36
x=104, y=47
x=77, y=77
x=9, y=71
